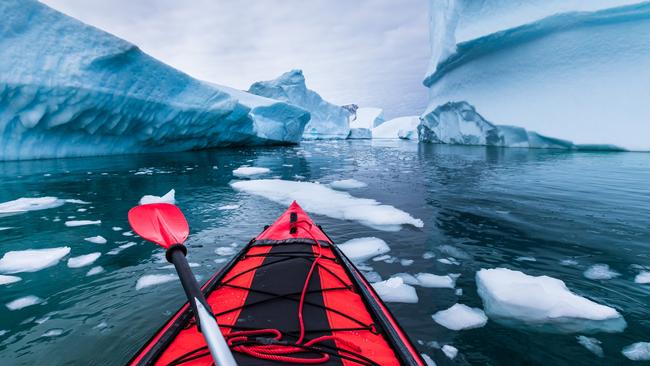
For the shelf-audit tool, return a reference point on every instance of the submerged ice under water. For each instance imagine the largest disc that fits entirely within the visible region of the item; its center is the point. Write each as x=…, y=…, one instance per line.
x=479, y=208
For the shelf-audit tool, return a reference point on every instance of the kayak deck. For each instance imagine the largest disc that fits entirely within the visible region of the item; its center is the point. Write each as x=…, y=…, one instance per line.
x=289, y=297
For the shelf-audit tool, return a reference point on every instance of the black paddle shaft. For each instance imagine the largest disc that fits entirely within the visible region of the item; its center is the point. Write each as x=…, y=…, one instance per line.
x=176, y=255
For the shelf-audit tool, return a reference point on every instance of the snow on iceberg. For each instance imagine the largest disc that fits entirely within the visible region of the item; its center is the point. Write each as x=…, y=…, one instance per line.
x=460, y=316
x=405, y=128
x=70, y=89
x=572, y=69
x=543, y=302
x=362, y=249
x=322, y=200
x=366, y=119
x=31, y=260
x=328, y=121
x=395, y=290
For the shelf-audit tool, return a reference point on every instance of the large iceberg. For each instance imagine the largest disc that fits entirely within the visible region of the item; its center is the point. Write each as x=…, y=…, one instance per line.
x=328, y=121
x=401, y=127
x=577, y=70
x=69, y=89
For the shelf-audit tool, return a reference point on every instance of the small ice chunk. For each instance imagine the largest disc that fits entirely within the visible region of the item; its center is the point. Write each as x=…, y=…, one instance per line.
x=76, y=201
x=406, y=262
x=23, y=205
x=120, y=248
x=568, y=262
x=322, y=200
x=643, y=277
x=362, y=249
x=248, y=171
x=395, y=290
x=347, y=184
x=450, y=351
x=459, y=292
x=228, y=207
x=5, y=280
x=515, y=298
x=220, y=260
x=600, y=272
x=83, y=260
x=96, y=239
x=127, y=233
x=31, y=260
x=435, y=281
x=81, y=210
x=74, y=223
x=380, y=258
x=526, y=259
x=428, y=255
x=152, y=280
x=407, y=278
x=591, y=344
x=24, y=302
x=169, y=197
x=6, y=228
x=117, y=228
x=372, y=276
x=453, y=251
x=639, y=351
x=428, y=360
x=450, y=261
x=95, y=270
x=460, y=316
x=225, y=251
x=53, y=333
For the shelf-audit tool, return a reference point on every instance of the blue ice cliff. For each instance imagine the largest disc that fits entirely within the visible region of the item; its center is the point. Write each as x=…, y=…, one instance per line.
x=578, y=70
x=69, y=89
x=328, y=121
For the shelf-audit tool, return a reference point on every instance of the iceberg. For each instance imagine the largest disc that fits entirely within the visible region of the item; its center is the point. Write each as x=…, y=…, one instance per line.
x=405, y=128
x=365, y=120
x=69, y=89
x=328, y=121
x=572, y=69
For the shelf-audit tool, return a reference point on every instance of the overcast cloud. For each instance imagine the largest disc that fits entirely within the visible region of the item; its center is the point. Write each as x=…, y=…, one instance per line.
x=369, y=52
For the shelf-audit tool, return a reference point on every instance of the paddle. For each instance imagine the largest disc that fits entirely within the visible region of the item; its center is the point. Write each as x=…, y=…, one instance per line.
x=165, y=225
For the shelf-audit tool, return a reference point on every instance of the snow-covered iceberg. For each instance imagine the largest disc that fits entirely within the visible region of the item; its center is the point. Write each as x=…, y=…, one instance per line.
x=69, y=89
x=365, y=120
x=401, y=127
x=577, y=70
x=328, y=121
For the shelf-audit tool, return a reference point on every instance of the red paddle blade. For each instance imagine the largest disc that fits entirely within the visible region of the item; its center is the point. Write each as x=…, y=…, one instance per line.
x=161, y=223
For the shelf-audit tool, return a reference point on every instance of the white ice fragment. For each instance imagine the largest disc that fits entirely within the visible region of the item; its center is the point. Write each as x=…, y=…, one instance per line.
x=225, y=251
x=639, y=351
x=643, y=277
x=23, y=205
x=53, y=333
x=74, y=223
x=347, y=184
x=322, y=200
x=526, y=259
x=568, y=262
x=591, y=344
x=96, y=239
x=169, y=197
x=435, y=281
x=152, y=280
x=83, y=260
x=407, y=278
x=395, y=290
x=228, y=207
x=77, y=201
x=372, y=276
x=31, y=260
x=380, y=258
x=459, y=292
x=428, y=360
x=428, y=255
x=450, y=261
x=24, y=302
x=362, y=249
x=450, y=351
x=460, y=316
x=116, y=228
x=600, y=272
x=127, y=233
x=248, y=171
x=5, y=280
x=95, y=270
x=406, y=262
x=515, y=298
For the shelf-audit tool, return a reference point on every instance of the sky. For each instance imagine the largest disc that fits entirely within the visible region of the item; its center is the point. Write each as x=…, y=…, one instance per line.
x=370, y=52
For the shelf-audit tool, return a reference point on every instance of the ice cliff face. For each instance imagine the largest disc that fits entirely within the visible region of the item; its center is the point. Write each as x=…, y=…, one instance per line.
x=578, y=70
x=69, y=89
x=328, y=121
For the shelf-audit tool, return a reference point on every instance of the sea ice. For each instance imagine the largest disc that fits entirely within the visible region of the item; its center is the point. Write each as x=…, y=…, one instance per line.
x=228, y=207
x=5, y=280
x=53, y=333
x=435, y=281
x=395, y=290
x=347, y=184
x=169, y=197
x=428, y=255
x=600, y=272
x=75, y=223
x=96, y=239
x=460, y=317
x=406, y=262
x=407, y=278
x=322, y=200
x=95, y=270
x=24, y=302
x=249, y=171
x=362, y=249
x=643, y=277
x=450, y=351
x=591, y=344
x=31, y=260
x=23, y=205
x=639, y=351
x=515, y=298
x=428, y=360
x=526, y=259
x=152, y=280
x=83, y=260
x=225, y=251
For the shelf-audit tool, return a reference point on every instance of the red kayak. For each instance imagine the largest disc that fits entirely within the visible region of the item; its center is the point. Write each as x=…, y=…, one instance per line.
x=289, y=297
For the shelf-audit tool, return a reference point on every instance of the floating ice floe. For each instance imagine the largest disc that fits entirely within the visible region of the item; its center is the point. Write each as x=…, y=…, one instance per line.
x=249, y=171
x=96, y=239
x=428, y=255
x=75, y=223
x=407, y=278
x=600, y=272
x=225, y=251
x=642, y=278
x=95, y=271
x=53, y=333
x=77, y=201
x=395, y=290
x=83, y=260
x=639, y=351
x=228, y=207
x=322, y=200
x=435, y=281
x=454, y=252
x=23, y=205
x=460, y=316
x=169, y=197
x=152, y=280
x=515, y=298
x=31, y=260
x=450, y=261
x=23, y=302
x=362, y=249
x=428, y=360
x=591, y=344
x=450, y=351
x=5, y=280
x=526, y=259
x=347, y=184
x=406, y=262
x=120, y=248
x=116, y=228
x=568, y=262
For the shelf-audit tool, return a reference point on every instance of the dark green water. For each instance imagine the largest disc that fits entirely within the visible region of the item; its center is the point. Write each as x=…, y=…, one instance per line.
x=494, y=204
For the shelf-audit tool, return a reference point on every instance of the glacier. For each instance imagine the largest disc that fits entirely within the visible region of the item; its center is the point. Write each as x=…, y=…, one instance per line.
x=576, y=70
x=365, y=120
x=68, y=89
x=328, y=121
